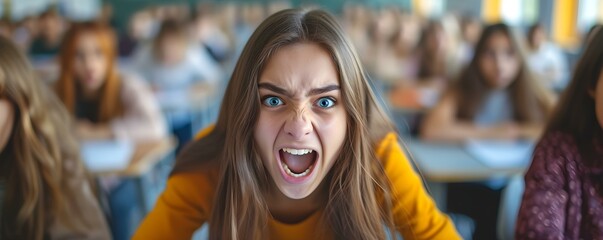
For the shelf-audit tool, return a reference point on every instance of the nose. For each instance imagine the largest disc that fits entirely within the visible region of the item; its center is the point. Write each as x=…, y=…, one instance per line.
x=298, y=125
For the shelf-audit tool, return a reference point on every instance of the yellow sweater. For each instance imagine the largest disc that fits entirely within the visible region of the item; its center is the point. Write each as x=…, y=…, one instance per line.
x=188, y=199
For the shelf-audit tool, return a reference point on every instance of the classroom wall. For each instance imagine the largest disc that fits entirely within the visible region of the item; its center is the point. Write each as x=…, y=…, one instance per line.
x=123, y=9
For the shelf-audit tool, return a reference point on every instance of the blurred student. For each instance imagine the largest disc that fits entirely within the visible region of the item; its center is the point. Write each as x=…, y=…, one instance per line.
x=563, y=197
x=172, y=63
x=50, y=36
x=107, y=104
x=435, y=61
x=6, y=29
x=546, y=59
x=25, y=32
x=207, y=35
x=44, y=189
x=494, y=98
x=291, y=157
x=140, y=30
x=378, y=55
x=471, y=29
x=176, y=68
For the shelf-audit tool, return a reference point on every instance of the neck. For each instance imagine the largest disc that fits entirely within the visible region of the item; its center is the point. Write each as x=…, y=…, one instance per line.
x=89, y=94
x=290, y=211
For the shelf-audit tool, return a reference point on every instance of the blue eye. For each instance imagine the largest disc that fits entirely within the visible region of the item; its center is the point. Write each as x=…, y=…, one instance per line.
x=325, y=102
x=272, y=101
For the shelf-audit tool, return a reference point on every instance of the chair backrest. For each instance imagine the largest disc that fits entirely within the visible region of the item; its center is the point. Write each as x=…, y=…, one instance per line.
x=204, y=132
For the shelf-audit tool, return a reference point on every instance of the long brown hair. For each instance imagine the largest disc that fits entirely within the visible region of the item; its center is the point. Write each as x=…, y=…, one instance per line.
x=531, y=101
x=575, y=112
x=66, y=88
x=33, y=161
x=359, y=201
x=431, y=63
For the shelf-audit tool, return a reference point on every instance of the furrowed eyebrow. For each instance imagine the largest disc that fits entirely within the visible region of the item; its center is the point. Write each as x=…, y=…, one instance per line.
x=322, y=90
x=312, y=92
x=275, y=89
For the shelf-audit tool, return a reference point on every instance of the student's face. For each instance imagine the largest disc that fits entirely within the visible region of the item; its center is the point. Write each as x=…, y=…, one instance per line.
x=302, y=122
x=172, y=49
x=599, y=99
x=499, y=63
x=7, y=118
x=472, y=32
x=538, y=38
x=90, y=63
x=437, y=40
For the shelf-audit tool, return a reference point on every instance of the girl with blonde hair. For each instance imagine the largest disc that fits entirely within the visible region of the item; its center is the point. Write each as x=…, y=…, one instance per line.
x=44, y=190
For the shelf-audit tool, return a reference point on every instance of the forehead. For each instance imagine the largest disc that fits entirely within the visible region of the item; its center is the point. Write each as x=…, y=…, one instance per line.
x=88, y=39
x=499, y=39
x=300, y=65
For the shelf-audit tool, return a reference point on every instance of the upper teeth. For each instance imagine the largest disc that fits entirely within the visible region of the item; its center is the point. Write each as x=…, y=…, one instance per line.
x=297, y=151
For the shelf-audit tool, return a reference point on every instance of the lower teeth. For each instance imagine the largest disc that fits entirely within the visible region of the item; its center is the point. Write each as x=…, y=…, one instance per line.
x=288, y=171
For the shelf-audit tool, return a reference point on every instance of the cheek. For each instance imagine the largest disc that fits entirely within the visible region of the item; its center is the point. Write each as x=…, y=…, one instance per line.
x=101, y=66
x=332, y=130
x=78, y=68
x=513, y=67
x=6, y=122
x=266, y=131
x=486, y=67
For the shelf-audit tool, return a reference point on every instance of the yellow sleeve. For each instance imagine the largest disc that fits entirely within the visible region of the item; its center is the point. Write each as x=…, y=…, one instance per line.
x=415, y=213
x=180, y=210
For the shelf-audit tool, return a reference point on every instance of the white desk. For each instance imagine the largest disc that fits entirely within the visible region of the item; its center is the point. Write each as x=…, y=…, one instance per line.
x=442, y=163
x=445, y=162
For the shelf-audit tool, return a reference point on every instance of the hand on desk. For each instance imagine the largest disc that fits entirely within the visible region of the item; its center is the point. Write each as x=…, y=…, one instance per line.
x=505, y=131
x=514, y=131
x=90, y=131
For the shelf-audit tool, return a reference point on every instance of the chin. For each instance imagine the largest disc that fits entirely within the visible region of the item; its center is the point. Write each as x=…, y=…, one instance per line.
x=296, y=193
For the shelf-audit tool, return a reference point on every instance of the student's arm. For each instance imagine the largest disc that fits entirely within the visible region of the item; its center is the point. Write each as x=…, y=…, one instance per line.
x=90, y=131
x=205, y=67
x=142, y=118
x=441, y=124
x=415, y=213
x=544, y=198
x=559, y=67
x=80, y=216
x=531, y=130
x=180, y=210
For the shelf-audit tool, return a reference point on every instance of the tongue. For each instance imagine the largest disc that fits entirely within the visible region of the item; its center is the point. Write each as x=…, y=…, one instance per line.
x=298, y=163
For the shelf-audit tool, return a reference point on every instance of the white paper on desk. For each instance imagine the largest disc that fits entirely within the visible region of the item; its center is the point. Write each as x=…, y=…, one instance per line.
x=501, y=153
x=106, y=155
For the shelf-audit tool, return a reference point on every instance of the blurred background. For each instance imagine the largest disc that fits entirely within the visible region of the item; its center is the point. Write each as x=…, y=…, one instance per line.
x=413, y=51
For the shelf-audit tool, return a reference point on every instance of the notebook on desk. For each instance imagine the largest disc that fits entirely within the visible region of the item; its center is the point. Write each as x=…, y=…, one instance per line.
x=101, y=156
x=501, y=154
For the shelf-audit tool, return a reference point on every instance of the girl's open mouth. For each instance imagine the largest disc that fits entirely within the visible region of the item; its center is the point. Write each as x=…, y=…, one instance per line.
x=297, y=164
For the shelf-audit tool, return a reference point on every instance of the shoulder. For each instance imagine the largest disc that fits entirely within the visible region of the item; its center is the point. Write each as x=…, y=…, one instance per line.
x=132, y=84
x=558, y=142
x=555, y=153
x=391, y=156
x=203, y=177
x=384, y=145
